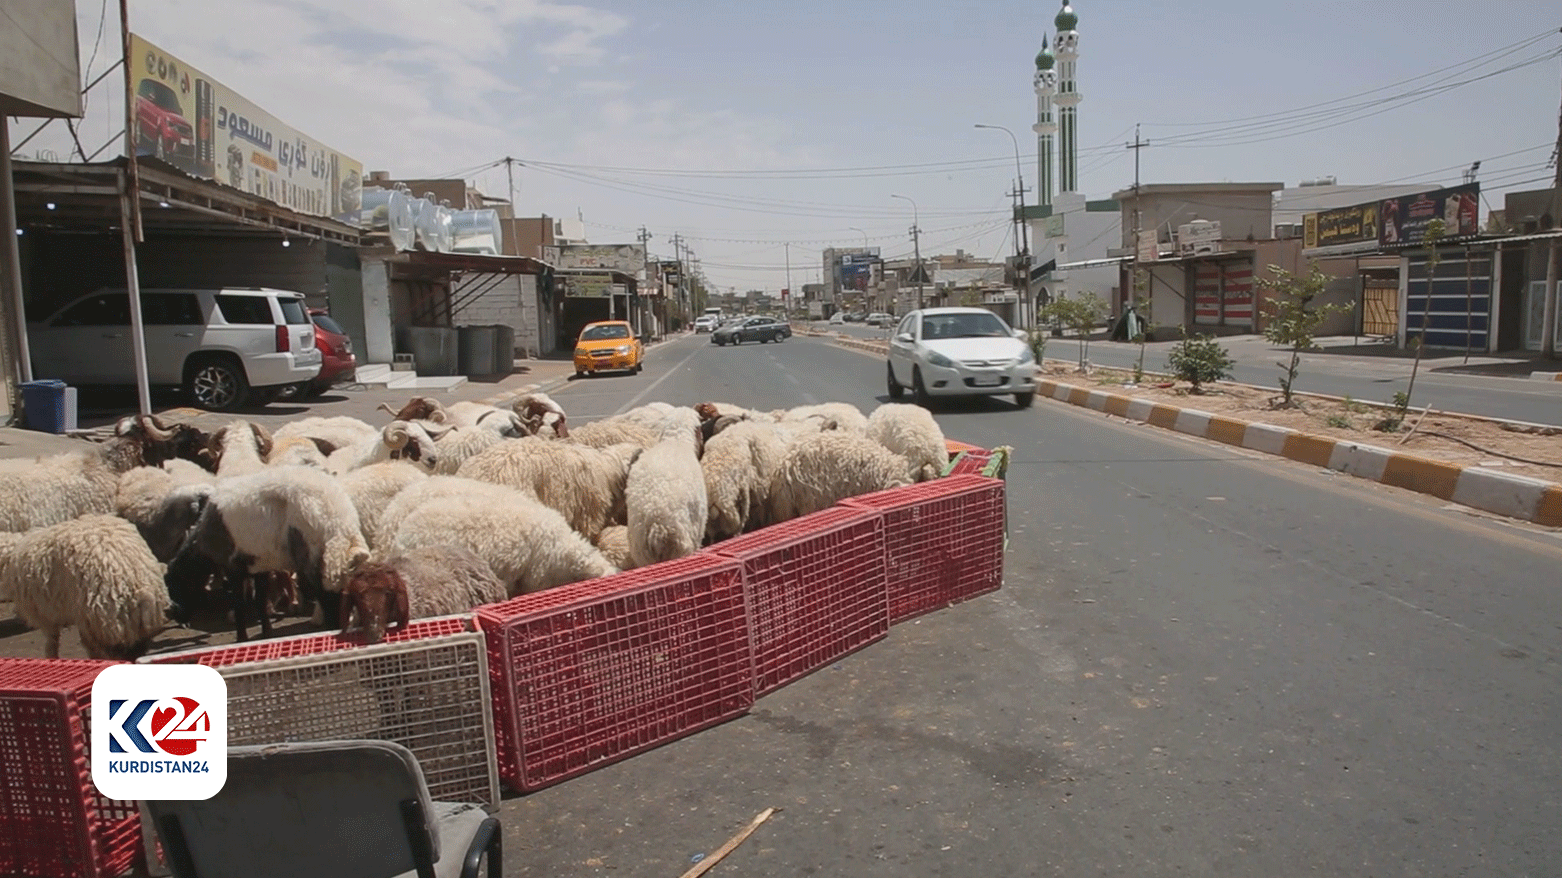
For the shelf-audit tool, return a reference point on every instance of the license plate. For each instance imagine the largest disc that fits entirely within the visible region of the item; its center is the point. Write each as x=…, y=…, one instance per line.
x=987, y=381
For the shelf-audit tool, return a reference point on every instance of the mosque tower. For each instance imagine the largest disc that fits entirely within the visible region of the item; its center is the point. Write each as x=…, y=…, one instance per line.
x=1046, y=126
x=1068, y=98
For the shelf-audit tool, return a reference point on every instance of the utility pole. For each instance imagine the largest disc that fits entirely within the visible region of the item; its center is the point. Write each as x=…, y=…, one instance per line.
x=786, y=295
x=916, y=242
x=645, y=252
x=1133, y=276
x=1548, y=329
x=678, y=258
x=509, y=172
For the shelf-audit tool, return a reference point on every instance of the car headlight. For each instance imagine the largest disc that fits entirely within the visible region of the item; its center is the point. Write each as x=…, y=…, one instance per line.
x=581, y=352
x=1026, y=357
x=623, y=349
x=938, y=359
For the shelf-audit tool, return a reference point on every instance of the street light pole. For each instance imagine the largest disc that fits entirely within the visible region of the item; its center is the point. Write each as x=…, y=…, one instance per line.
x=864, y=237
x=1022, y=275
x=916, y=242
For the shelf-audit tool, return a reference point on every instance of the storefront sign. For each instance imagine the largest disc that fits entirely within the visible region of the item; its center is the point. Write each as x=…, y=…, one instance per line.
x=590, y=286
x=188, y=119
x=627, y=258
x=1404, y=219
x=1346, y=225
x=1197, y=237
x=1149, y=246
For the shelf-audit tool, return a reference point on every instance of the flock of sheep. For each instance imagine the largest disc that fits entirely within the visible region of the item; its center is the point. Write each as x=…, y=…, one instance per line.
x=440, y=510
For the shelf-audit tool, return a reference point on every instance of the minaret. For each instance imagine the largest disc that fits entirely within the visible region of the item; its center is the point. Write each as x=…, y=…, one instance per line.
x=1068, y=99
x=1046, y=126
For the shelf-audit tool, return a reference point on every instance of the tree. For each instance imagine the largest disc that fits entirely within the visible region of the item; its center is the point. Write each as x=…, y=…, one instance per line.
x=1141, y=308
x=1081, y=314
x=1434, y=233
x=1292, y=317
x=1199, y=360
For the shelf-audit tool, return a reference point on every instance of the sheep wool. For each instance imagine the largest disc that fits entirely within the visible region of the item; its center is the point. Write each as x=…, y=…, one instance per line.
x=262, y=510
x=417, y=584
x=372, y=488
x=831, y=415
x=613, y=543
x=529, y=546
x=737, y=465
x=665, y=498
x=95, y=574
x=338, y=432
x=584, y=484
x=911, y=432
x=821, y=470
x=398, y=440
x=241, y=448
x=49, y=490
x=460, y=444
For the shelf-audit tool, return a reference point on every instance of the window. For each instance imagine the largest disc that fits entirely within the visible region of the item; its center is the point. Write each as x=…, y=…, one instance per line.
x=161, y=95
x=171, y=309
x=597, y=333
x=969, y=325
x=326, y=323
x=905, y=326
x=252, y=310
x=293, y=311
x=105, y=309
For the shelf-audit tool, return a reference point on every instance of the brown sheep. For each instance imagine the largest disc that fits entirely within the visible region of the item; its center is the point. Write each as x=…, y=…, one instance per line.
x=416, y=584
x=419, y=408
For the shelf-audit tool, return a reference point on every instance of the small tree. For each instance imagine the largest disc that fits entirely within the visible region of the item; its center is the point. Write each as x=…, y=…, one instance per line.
x=1199, y=360
x=1434, y=233
x=1141, y=308
x=1292, y=318
x=1080, y=314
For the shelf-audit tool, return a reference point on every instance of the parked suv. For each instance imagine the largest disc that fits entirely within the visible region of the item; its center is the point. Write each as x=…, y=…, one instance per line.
x=225, y=346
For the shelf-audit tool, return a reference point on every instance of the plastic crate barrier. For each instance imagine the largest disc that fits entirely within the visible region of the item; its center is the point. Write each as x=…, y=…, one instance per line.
x=597, y=671
x=53, y=822
x=816, y=591
x=944, y=541
x=275, y=648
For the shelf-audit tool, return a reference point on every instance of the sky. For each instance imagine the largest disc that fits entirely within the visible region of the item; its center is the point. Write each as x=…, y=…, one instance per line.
x=761, y=132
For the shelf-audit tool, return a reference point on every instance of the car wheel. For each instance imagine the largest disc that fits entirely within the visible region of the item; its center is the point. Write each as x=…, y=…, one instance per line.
x=923, y=399
x=217, y=384
x=895, y=390
x=776, y=338
x=1024, y=400
x=639, y=365
x=579, y=374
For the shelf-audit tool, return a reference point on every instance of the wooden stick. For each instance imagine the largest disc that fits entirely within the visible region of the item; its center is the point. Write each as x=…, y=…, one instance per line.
x=1406, y=438
x=704, y=865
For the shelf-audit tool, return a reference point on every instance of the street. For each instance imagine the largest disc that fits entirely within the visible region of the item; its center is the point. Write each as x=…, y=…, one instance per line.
x=1202, y=662
x=1367, y=377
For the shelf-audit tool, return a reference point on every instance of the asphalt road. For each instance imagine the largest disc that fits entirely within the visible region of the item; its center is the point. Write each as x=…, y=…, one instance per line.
x=1201, y=663
x=1369, y=378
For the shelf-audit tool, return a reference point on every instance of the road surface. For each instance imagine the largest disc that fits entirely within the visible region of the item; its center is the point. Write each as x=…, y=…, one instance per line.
x=1201, y=663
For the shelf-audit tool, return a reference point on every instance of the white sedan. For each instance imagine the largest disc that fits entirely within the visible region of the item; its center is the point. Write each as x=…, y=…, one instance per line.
x=960, y=352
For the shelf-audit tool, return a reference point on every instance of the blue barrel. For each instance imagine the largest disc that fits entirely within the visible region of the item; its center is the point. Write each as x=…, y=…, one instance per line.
x=43, y=406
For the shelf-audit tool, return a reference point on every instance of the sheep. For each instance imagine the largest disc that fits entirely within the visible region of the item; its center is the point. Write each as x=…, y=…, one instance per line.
x=240, y=448
x=300, y=451
x=144, y=440
x=818, y=471
x=49, y=490
x=911, y=432
x=608, y=432
x=504, y=422
x=457, y=445
x=338, y=432
x=665, y=498
x=542, y=416
x=528, y=546
x=398, y=440
x=287, y=519
x=613, y=543
x=586, y=485
x=832, y=415
x=140, y=492
x=419, y=408
x=417, y=584
x=737, y=466
x=371, y=489
x=406, y=502
x=94, y=573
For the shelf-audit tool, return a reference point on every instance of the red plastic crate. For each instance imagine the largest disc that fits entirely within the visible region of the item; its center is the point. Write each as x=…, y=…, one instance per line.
x=594, y=672
x=273, y=648
x=970, y=462
x=944, y=541
x=816, y=591
x=53, y=822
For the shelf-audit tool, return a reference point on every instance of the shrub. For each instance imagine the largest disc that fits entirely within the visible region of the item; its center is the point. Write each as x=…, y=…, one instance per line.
x=1199, y=360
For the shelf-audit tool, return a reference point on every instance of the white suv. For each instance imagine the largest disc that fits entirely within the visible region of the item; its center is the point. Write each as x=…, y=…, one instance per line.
x=225, y=346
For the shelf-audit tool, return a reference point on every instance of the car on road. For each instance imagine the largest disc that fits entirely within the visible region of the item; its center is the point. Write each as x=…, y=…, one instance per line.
x=225, y=346
x=607, y=345
x=705, y=323
x=960, y=352
x=338, y=363
x=837, y=319
x=760, y=329
x=879, y=318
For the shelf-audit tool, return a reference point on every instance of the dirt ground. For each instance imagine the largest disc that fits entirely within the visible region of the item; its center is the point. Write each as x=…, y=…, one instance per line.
x=1496, y=445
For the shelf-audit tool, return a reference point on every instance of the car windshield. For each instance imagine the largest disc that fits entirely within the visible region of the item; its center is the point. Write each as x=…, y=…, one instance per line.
x=160, y=94
x=965, y=325
x=597, y=333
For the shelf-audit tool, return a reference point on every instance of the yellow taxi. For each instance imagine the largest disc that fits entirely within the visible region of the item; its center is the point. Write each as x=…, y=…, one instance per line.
x=607, y=345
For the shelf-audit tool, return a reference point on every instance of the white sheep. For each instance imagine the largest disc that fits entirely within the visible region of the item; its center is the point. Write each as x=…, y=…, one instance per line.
x=832, y=415
x=542, y=416
x=417, y=584
x=820, y=470
x=49, y=490
x=503, y=422
x=456, y=445
x=399, y=440
x=527, y=545
x=613, y=543
x=372, y=488
x=738, y=464
x=586, y=485
x=609, y=431
x=338, y=432
x=665, y=498
x=94, y=573
x=240, y=448
x=911, y=432
x=405, y=503
x=141, y=491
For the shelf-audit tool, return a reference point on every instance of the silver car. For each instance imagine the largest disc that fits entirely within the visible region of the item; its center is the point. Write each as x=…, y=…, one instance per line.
x=960, y=352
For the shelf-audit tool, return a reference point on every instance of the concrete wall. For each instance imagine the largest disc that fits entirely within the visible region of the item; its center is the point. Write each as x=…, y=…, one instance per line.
x=40, y=70
x=527, y=236
x=344, y=284
x=378, y=343
x=1089, y=235
x=1240, y=214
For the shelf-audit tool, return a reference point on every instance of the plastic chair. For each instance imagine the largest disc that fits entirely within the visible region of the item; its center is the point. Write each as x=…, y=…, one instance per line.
x=333, y=809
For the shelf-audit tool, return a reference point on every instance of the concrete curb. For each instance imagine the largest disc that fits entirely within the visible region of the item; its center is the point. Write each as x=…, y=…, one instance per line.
x=1514, y=496
x=1546, y=376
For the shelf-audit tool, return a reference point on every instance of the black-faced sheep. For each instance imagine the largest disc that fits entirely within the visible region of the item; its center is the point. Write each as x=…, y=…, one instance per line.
x=94, y=573
x=416, y=584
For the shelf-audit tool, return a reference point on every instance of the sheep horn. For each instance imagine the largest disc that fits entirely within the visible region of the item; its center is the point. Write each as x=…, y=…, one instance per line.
x=155, y=428
x=385, y=407
x=438, y=432
x=263, y=440
x=396, y=434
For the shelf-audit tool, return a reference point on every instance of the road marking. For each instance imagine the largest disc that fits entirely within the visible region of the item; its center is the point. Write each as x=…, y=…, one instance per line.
x=793, y=378
x=657, y=383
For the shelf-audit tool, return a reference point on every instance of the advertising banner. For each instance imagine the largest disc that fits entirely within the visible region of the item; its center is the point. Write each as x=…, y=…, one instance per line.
x=857, y=270
x=627, y=258
x=1357, y=224
x=188, y=119
x=590, y=286
x=1404, y=219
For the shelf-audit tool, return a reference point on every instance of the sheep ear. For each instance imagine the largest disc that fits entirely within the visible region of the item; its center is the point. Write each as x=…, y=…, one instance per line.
x=324, y=447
